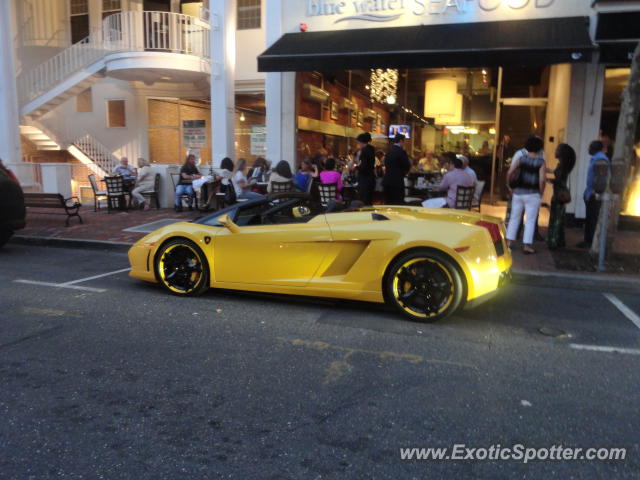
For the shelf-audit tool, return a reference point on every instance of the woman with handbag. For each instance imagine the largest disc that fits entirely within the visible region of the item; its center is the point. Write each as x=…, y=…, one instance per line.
x=561, y=195
x=527, y=179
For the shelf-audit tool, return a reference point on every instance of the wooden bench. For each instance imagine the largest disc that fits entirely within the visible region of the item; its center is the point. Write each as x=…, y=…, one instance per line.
x=70, y=205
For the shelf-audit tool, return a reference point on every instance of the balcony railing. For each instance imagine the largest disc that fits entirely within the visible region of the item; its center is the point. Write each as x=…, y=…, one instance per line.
x=129, y=31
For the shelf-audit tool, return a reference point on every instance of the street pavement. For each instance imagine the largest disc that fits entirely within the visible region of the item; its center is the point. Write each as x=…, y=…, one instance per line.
x=113, y=378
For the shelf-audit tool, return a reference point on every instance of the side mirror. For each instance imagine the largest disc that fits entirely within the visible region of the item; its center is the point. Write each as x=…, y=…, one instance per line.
x=226, y=221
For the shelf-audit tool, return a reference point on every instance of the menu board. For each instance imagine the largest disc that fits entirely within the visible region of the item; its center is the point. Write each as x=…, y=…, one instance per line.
x=194, y=133
x=259, y=140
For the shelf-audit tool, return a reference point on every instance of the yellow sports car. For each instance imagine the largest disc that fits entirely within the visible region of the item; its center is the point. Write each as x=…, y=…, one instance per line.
x=427, y=263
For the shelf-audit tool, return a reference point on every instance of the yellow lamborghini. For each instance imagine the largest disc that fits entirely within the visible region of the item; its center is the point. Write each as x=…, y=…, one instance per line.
x=427, y=263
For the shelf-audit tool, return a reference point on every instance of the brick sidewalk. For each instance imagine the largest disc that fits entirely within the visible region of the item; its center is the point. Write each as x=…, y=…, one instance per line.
x=98, y=225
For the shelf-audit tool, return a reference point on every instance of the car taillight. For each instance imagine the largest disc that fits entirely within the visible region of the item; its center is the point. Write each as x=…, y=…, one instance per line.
x=494, y=230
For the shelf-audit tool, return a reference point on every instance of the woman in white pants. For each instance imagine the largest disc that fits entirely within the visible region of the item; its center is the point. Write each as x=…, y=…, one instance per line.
x=144, y=182
x=527, y=178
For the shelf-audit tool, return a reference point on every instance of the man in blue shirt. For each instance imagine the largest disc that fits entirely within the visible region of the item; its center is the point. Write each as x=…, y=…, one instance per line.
x=597, y=151
x=127, y=171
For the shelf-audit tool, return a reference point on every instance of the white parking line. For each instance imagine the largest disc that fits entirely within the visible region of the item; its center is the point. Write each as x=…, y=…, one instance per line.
x=60, y=285
x=96, y=276
x=626, y=311
x=72, y=283
x=600, y=348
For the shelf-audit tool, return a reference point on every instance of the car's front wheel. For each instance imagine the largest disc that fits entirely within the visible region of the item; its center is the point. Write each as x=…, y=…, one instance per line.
x=424, y=285
x=182, y=268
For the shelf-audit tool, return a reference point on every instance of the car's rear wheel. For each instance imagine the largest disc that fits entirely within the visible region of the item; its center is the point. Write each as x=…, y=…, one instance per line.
x=182, y=268
x=424, y=285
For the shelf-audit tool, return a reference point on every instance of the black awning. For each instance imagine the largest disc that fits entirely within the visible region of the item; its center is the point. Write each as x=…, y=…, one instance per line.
x=618, y=26
x=618, y=35
x=486, y=44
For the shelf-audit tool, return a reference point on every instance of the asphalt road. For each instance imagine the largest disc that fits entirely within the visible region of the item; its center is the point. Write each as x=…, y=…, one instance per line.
x=117, y=379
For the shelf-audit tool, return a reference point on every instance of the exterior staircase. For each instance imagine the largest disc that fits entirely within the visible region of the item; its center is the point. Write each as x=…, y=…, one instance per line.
x=93, y=154
x=82, y=64
x=39, y=138
x=85, y=148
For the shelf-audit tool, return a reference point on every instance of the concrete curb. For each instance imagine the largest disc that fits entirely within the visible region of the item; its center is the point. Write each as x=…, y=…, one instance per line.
x=578, y=281
x=600, y=282
x=70, y=243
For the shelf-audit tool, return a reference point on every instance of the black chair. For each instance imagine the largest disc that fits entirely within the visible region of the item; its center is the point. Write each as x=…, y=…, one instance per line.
x=97, y=194
x=116, y=194
x=175, y=178
x=327, y=193
x=153, y=194
x=464, y=197
x=477, y=196
x=281, y=187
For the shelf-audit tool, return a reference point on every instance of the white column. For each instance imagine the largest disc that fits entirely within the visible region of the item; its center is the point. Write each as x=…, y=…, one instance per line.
x=280, y=97
x=9, y=116
x=223, y=66
x=585, y=111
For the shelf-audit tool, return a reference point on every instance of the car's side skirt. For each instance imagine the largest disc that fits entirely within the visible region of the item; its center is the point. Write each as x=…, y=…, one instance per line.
x=365, y=296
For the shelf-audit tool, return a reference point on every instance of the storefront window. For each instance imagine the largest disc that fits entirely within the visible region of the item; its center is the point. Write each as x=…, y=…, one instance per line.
x=250, y=127
x=437, y=109
x=616, y=79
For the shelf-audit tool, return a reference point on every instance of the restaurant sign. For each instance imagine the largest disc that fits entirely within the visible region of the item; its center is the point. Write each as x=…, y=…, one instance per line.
x=358, y=12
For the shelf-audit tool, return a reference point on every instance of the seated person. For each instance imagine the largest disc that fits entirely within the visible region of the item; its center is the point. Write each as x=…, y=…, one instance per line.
x=308, y=171
x=330, y=175
x=259, y=171
x=221, y=181
x=469, y=170
x=188, y=173
x=450, y=182
x=144, y=183
x=282, y=173
x=429, y=163
x=241, y=185
x=126, y=171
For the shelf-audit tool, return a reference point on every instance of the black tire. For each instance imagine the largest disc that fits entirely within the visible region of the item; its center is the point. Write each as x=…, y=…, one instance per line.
x=5, y=235
x=424, y=285
x=181, y=268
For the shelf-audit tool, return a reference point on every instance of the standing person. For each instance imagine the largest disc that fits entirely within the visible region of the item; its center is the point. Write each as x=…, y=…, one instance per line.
x=527, y=175
x=240, y=183
x=561, y=196
x=366, y=168
x=397, y=165
x=282, y=173
x=597, y=151
x=144, y=182
x=506, y=151
x=188, y=173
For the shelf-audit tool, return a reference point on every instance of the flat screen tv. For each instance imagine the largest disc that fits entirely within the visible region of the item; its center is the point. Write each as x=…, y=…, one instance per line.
x=403, y=129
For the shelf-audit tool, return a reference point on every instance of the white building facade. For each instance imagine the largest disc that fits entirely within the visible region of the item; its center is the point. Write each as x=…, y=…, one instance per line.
x=89, y=81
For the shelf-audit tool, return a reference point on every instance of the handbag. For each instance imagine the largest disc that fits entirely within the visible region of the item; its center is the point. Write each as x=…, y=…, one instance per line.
x=230, y=194
x=514, y=180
